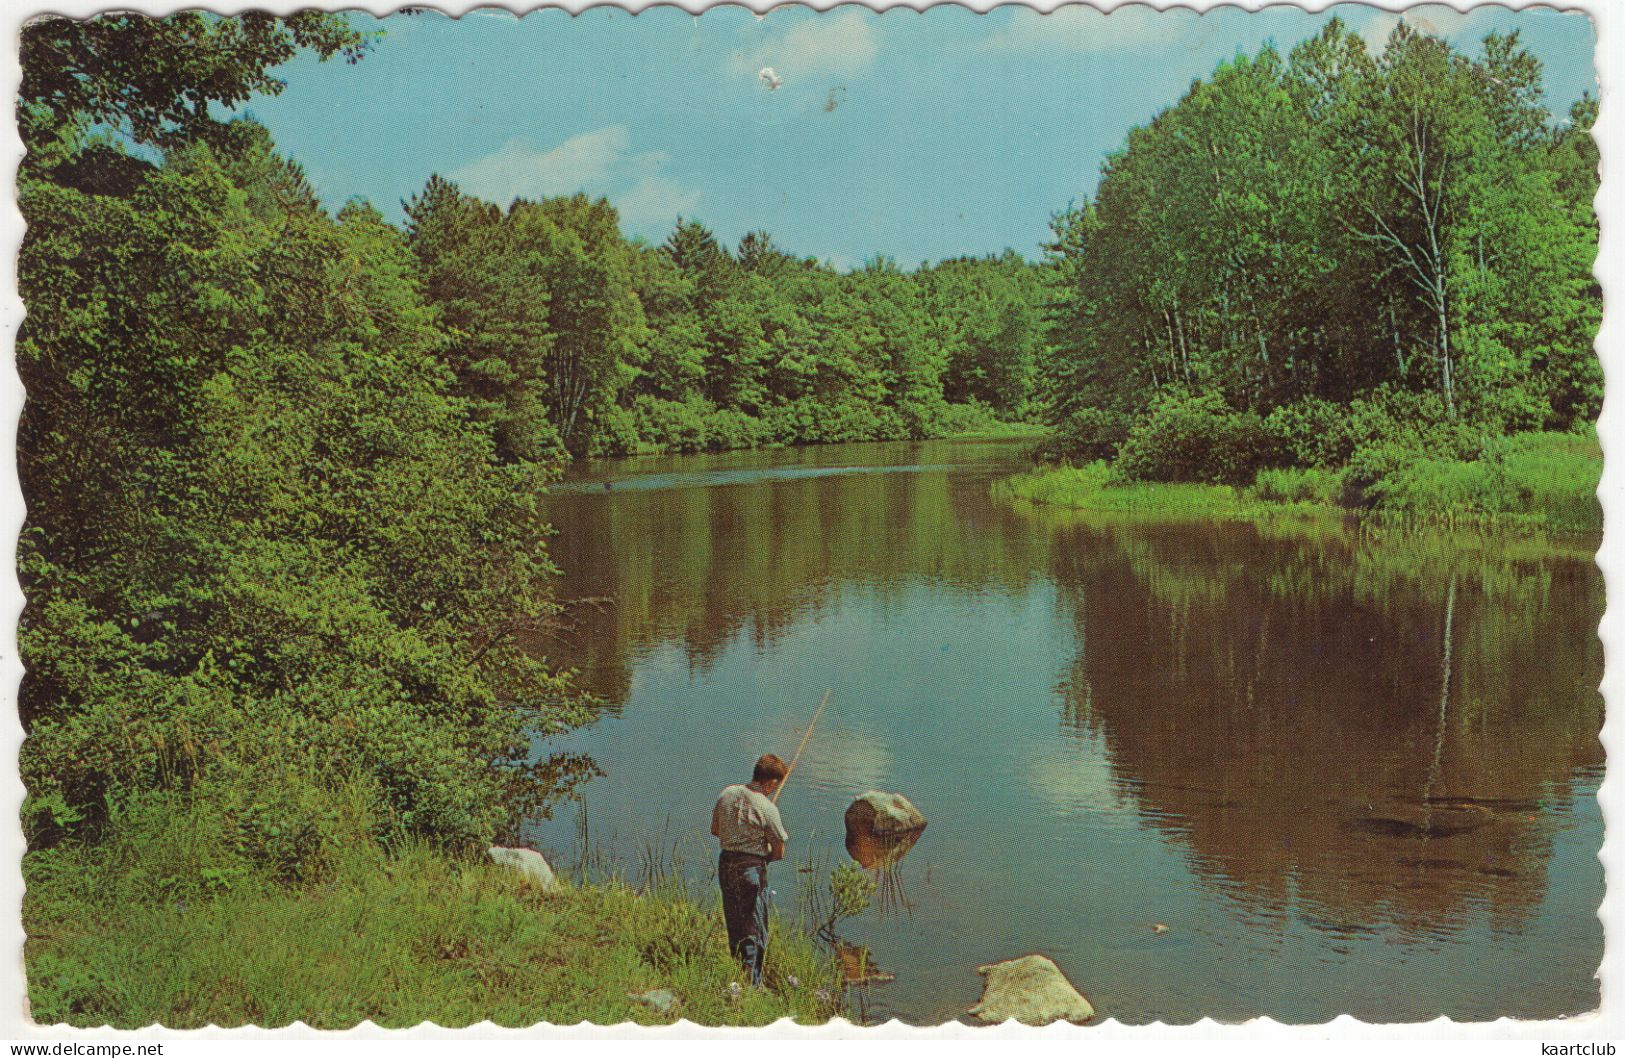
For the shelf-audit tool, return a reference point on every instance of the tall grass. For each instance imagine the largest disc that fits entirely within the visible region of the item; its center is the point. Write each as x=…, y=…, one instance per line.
x=1538, y=481
x=1095, y=487
x=142, y=930
x=1299, y=485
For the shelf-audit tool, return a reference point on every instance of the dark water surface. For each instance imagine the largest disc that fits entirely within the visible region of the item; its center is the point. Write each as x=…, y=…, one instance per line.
x=1349, y=774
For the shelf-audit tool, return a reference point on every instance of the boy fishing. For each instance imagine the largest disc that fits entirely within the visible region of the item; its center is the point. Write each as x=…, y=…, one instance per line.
x=747, y=823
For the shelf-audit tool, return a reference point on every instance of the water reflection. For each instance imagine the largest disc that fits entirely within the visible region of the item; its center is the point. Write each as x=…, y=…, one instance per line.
x=1318, y=733
x=1348, y=772
x=696, y=565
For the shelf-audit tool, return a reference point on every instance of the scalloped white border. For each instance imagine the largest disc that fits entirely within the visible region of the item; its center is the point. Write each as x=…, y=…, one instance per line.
x=1261, y=1035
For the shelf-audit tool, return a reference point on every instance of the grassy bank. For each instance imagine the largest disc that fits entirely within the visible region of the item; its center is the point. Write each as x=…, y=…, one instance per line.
x=1000, y=431
x=140, y=929
x=1543, y=482
x=1095, y=487
x=692, y=432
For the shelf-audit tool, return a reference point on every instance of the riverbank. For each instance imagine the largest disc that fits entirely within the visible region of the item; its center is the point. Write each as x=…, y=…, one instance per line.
x=671, y=428
x=139, y=931
x=1530, y=482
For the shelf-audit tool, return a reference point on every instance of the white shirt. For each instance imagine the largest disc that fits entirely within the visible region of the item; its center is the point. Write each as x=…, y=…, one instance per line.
x=746, y=821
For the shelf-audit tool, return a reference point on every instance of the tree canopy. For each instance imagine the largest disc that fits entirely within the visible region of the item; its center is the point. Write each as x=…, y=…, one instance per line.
x=1334, y=226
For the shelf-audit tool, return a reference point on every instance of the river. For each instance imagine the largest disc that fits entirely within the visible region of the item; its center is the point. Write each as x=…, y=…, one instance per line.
x=1347, y=773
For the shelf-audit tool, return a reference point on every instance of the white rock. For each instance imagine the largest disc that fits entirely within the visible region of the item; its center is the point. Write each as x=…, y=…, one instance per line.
x=1031, y=989
x=660, y=1000
x=528, y=862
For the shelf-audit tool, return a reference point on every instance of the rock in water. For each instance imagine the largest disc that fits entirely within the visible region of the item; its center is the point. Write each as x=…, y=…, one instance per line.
x=884, y=813
x=528, y=862
x=1031, y=989
x=881, y=827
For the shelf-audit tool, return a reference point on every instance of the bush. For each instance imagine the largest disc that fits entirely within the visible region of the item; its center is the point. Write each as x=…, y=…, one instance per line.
x=1547, y=478
x=677, y=426
x=615, y=433
x=1196, y=438
x=1299, y=485
x=1442, y=488
x=1086, y=435
x=1318, y=433
x=1553, y=475
x=1311, y=432
x=1414, y=421
x=731, y=428
x=810, y=421
x=851, y=420
x=971, y=417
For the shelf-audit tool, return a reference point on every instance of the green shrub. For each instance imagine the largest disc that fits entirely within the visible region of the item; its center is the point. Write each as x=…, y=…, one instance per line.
x=615, y=433
x=1548, y=479
x=970, y=417
x=1194, y=438
x=1086, y=435
x=1311, y=432
x=730, y=428
x=1299, y=485
x=851, y=420
x=1443, y=489
x=1317, y=433
x=1554, y=476
x=1418, y=422
x=676, y=426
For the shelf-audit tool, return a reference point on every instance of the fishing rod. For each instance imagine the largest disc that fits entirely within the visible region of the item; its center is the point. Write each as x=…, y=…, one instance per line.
x=804, y=737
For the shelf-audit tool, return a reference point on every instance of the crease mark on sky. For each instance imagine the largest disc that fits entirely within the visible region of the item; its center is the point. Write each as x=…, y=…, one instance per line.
x=838, y=45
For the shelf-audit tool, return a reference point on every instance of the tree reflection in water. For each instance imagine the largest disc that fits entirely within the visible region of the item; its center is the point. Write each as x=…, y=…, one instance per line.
x=1341, y=764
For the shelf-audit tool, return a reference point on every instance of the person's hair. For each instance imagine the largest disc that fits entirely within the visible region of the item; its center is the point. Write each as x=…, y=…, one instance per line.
x=769, y=768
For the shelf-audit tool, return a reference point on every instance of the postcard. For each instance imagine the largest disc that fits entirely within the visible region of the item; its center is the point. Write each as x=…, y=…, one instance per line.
x=929, y=516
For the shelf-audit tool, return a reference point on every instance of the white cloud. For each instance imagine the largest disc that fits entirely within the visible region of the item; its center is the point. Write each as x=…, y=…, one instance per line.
x=823, y=46
x=1376, y=30
x=518, y=169
x=653, y=204
x=599, y=162
x=1085, y=29
x=1437, y=19
x=1080, y=778
x=1433, y=19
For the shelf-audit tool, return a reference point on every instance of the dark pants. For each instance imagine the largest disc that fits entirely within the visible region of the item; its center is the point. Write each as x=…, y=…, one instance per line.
x=743, y=878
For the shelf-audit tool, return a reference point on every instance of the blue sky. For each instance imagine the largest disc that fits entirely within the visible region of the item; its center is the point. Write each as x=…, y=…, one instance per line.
x=920, y=135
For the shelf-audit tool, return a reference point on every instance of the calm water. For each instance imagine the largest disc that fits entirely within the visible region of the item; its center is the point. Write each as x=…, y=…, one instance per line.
x=1350, y=775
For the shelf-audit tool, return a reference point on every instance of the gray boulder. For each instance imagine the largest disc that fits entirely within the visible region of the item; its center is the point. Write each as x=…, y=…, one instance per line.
x=1031, y=989
x=528, y=862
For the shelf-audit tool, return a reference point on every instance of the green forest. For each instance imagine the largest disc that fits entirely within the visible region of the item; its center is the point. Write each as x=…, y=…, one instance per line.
x=1340, y=278
x=283, y=464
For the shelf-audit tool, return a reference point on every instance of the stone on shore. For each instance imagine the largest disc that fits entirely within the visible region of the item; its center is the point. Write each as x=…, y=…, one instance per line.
x=1031, y=989
x=528, y=862
x=660, y=1001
